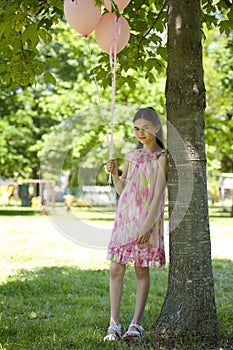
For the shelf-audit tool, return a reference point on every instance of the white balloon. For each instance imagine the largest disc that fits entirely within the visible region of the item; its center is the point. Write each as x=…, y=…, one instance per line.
x=105, y=32
x=82, y=15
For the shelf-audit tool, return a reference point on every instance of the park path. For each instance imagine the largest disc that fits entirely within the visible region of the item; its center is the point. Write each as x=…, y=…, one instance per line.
x=221, y=236
x=221, y=241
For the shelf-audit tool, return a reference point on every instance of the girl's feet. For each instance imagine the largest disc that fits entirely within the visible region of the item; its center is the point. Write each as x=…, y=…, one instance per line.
x=134, y=331
x=114, y=333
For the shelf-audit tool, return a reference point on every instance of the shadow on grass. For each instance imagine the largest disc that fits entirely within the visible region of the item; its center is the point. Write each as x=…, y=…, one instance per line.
x=19, y=211
x=68, y=308
x=219, y=212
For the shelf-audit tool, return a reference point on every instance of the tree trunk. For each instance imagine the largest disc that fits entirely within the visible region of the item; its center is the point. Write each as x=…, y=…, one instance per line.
x=189, y=307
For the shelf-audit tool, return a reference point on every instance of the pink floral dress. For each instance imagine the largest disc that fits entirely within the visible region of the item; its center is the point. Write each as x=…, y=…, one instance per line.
x=133, y=207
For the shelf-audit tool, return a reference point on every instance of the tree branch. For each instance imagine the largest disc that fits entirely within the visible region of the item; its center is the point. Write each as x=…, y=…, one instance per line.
x=153, y=24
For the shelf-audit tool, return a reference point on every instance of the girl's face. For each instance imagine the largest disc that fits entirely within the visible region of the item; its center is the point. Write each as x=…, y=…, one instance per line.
x=145, y=131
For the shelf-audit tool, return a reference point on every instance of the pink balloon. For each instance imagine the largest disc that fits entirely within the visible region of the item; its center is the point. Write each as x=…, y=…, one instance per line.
x=82, y=15
x=106, y=30
x=120, y=3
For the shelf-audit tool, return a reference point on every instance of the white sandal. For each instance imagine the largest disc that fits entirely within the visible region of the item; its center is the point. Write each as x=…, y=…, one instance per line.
x=114, y=333
x=130, y=334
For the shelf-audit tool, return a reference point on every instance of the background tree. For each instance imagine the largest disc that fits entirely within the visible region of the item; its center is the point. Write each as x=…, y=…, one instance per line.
x=71, y=60
x=42, y=52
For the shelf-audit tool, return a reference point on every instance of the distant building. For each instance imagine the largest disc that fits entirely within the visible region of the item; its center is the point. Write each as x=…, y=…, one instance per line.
x=226, y=188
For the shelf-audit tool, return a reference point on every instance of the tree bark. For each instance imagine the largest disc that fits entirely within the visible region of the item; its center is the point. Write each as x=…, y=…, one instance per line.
x=189, y=307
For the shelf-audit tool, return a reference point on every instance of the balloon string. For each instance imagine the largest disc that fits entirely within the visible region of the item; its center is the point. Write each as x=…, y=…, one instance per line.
x=100, y=105
x=98, y=92
x=113, y=53
x=109, y=140
x=113, y=61
x=94, y=77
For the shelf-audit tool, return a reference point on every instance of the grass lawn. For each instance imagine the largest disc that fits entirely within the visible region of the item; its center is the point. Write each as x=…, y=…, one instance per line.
x=54, y=294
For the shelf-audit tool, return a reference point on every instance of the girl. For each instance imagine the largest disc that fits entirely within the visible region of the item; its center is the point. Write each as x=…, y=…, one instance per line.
x=137, y=235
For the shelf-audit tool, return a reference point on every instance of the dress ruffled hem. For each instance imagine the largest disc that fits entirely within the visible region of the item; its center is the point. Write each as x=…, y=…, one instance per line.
x=137, y=255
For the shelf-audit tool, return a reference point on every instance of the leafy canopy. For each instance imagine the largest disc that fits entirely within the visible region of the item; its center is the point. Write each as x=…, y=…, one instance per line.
x=26, y=28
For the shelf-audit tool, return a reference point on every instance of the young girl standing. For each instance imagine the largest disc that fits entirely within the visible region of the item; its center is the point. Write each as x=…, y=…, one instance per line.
x=137, y=235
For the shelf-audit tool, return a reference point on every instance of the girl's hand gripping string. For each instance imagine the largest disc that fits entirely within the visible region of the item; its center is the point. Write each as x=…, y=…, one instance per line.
x=112, y=167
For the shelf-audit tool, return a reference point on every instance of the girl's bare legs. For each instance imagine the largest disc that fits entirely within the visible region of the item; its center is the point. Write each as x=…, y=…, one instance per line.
x=117, y=272
x=143, y=286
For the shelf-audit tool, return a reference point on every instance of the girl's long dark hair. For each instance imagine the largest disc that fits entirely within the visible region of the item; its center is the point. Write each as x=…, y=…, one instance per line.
x=150, y=115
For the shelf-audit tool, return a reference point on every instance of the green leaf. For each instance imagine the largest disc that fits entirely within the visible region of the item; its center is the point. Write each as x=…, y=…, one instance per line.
x=162, y=51
x=30, y=34
x=43, y=34
x=115, y=8
x=230, y=16
x=49, y=78
x=224, y=27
